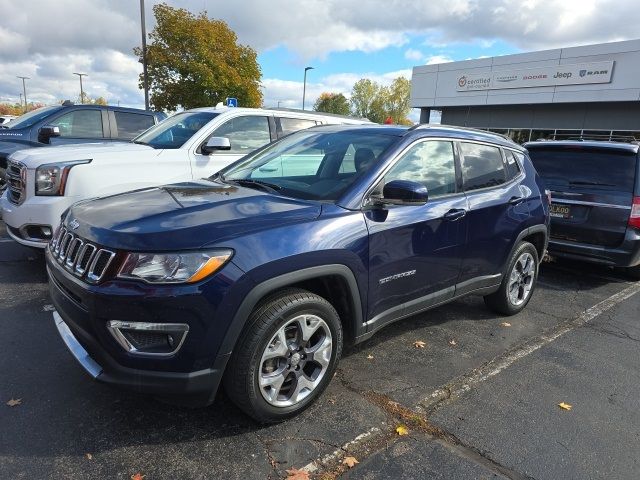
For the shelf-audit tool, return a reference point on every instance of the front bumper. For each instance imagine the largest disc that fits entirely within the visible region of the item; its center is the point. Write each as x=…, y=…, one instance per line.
x=191, y=377
x=34, y=212
x=627, y=254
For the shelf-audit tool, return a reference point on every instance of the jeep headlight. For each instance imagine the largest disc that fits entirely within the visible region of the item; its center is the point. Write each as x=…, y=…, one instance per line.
x=181, y=267
x=51, y=179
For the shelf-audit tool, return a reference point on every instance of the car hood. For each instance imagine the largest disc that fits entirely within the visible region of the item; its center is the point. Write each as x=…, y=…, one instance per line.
x=184, y=216
x=34, y=157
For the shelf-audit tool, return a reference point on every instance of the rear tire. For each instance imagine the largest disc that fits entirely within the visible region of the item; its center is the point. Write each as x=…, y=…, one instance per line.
x=518, y=282
x=285, y=357
x=3, y=180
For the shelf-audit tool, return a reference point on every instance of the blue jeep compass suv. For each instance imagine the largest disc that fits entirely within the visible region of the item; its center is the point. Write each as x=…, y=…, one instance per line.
x=257, y=276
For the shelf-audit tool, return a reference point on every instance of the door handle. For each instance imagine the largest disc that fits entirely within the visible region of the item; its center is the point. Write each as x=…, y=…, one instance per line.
x=455, y=214
x=516, y=200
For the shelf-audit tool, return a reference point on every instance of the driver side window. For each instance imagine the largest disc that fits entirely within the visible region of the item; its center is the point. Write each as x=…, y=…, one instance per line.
x=431, y=163
x=80, y=124
x=245, y=134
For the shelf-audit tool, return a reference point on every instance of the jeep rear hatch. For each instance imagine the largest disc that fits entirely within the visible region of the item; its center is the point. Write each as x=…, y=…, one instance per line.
x=592, y=191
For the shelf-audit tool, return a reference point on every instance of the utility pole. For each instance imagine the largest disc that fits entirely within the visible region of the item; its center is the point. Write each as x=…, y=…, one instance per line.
x=24, y=90
x=81, y=90
x=304, y=84
x=145, y=80
x=20, y=99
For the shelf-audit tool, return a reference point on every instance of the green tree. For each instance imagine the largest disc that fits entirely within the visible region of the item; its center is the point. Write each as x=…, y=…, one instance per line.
x=366, y=100
x=397, y=100
x=86, y=99
x=194, y=61
x=332, y=103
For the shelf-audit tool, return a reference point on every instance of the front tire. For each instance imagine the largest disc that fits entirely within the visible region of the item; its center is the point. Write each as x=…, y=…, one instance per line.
x=518, y=282
x=285, y=357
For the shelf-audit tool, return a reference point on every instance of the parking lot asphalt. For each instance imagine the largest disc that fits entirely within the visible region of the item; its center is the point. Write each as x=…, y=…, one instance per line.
x=480, y=400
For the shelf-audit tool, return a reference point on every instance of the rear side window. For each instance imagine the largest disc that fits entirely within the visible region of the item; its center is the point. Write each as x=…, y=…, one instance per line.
x=585, y=167
x=80, y=124
x=513, y=163
x=290, y=125
x=132, y=124
x=482, y=166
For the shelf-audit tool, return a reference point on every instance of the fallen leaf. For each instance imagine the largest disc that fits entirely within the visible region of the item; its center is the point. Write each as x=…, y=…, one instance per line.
x=565, y=406
x=453, y=342
x=350, y=462
x=89, y=456
x=14, y=402
x=369, y=357
x=402, y=430
x=137, y=476
x=505, y=324
x=295, y=474
x=419, y=344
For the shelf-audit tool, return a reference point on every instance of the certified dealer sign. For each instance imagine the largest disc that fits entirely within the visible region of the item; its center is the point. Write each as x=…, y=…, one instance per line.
x=576, y=74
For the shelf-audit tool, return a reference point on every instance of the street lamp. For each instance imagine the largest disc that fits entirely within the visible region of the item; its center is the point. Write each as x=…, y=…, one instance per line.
x=81, y=91
x=304, y=85
x=24, y=90
x=145, y=80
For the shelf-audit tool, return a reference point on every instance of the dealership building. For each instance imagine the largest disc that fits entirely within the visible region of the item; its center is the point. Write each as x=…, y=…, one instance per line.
x=591, y=91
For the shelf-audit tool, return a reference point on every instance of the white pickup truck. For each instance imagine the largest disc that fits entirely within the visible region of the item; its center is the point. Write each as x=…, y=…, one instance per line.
x=43, y=182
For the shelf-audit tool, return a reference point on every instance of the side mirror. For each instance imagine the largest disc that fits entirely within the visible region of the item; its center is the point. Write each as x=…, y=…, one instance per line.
x=215, y=144
x=47, y=132
x=402, y=192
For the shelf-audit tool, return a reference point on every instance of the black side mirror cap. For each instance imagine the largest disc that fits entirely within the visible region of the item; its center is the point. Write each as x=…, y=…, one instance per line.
x=402, y=192
x=47, y=132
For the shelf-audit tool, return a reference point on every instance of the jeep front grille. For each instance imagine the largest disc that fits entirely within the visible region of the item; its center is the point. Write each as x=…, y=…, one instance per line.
x=85, y=260
x=16, y=182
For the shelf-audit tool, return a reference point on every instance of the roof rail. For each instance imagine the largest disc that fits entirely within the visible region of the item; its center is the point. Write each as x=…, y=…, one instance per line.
x=314, y=112
x=420, y=126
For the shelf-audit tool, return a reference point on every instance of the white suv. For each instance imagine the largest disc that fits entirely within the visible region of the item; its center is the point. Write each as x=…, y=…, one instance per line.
x=43, y=182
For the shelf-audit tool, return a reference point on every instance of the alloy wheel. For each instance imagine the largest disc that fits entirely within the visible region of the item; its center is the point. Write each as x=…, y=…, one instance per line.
x=295, y=360
x=521, y=279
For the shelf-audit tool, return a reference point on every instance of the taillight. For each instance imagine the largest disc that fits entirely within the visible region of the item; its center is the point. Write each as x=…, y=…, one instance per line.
x=634, y=218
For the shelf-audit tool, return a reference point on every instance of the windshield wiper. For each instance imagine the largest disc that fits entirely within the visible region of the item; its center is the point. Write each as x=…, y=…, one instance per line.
x=249, y=182
x=139, y=142
x=586, y=182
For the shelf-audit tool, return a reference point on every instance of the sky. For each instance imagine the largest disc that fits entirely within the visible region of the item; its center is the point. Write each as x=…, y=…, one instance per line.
x=344, y=40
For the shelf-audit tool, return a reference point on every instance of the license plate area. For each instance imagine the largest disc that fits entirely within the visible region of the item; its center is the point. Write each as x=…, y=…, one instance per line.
x=559, y=211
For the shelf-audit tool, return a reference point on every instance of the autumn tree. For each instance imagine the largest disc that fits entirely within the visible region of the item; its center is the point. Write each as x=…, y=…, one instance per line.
x=376, y=102
x=195, y=61
x=332, y=103
x=366, y=101
x=84, y=98
x=397, y=100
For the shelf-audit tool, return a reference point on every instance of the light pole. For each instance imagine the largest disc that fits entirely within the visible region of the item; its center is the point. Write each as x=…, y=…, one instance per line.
x=24, y=90
x=81, y=90
x=304, y=84
x=20, y=99
x=145, y=80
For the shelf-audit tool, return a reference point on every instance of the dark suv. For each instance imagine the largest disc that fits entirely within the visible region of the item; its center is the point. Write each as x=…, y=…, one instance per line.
x=69, y=123
x=259, y=274
x=595, y=186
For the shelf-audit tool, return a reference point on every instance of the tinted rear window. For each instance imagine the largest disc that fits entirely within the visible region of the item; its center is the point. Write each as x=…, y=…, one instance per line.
x=583, y=167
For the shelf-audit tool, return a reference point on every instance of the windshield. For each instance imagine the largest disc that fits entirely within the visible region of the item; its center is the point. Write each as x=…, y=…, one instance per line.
x=311, y=165
x=176, y=130
x=32, y=117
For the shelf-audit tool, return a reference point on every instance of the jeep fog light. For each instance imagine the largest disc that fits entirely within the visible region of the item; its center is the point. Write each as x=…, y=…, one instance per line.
x=149, y=339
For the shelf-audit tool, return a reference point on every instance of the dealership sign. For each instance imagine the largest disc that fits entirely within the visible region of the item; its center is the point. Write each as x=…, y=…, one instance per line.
x=577, y=74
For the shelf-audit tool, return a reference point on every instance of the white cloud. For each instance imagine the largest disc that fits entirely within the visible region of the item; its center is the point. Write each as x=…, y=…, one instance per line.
x=414, y=55
x=435, y=59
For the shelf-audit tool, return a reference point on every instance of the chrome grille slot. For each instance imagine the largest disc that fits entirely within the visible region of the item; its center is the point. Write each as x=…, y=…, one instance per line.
x=99, y=265
x=74, y=250
x=85, y=260
x=16, y=182
x=64, y=245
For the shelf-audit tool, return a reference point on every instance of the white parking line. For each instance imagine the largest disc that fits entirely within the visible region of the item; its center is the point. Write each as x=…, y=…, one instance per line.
x=495, y=367
x=491, y=369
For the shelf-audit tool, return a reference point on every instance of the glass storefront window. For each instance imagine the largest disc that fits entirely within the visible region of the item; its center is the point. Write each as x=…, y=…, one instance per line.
x=519, y=135
x=568, y=134
x=542, y=134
